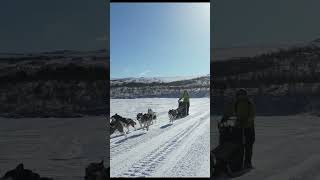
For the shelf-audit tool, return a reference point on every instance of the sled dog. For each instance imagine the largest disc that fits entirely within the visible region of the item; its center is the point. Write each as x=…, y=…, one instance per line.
x=173, y=114
x=144, y=120
x=153, y=115
x=118, y=123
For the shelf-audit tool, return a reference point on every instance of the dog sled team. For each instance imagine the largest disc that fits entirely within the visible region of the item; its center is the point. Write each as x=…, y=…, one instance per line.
x=119, y=123
x=147, y=119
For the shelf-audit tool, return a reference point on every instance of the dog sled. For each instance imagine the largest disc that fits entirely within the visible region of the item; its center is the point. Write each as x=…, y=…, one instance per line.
x=178, y=113
x=228, y=156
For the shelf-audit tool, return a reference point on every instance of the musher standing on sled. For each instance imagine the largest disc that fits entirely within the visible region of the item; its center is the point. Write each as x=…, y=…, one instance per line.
x=244, y=109
x=245, y=113
x=185, y=99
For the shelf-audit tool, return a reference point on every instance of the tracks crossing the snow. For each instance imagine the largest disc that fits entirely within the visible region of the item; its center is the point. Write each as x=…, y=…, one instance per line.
x=147, y=165
x=155, y=152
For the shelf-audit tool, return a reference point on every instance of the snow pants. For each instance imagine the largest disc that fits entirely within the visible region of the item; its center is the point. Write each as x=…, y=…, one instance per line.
x=187, y=105
x=249, y=138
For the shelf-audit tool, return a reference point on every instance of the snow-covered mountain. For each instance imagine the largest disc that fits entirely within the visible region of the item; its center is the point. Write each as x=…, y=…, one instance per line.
x=58, y=65
x=286, y=81
x=159, y=87
x=146, y=80
x=54, y=84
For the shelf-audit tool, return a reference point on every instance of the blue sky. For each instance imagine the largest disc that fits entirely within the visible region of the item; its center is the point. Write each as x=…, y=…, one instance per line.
x=159, y=39
x=252, y=23
x=37, y=25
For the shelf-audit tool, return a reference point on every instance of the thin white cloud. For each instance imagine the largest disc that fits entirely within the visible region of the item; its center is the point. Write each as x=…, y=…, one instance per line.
x=144, y=73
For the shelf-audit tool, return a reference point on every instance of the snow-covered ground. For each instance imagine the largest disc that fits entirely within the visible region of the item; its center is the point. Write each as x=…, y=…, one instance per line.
x=166, y=150
x=60, y=148
x=286, y=148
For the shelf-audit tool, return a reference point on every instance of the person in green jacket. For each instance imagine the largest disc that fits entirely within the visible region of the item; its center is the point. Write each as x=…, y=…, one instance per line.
x=185, y=99
x=244, y=109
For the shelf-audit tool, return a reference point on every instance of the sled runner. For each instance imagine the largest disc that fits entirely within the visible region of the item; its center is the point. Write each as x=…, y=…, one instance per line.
x=228, y=156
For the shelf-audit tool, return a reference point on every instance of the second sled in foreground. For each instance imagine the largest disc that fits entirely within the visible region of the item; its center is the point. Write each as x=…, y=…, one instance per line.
x=228, y=156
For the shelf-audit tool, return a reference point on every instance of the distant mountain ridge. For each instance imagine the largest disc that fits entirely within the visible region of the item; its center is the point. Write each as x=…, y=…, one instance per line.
x=151, y=79
x=56, y=65
x=65, y=53
x=224, y=54
x=286, y=81
x=54, y=84
x=160, y=87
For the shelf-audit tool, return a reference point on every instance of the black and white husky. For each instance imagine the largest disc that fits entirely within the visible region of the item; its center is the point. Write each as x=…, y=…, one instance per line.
x=118, y=123
x=173, y=114
x=144, y=120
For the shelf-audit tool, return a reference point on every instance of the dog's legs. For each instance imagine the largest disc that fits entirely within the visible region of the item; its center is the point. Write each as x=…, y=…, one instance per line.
x=125, y=134
x=121, y=129
x=148, y=125
x=140, y=124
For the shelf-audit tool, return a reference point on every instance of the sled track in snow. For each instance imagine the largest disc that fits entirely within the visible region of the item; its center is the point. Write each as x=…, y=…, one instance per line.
x=146, y=166
x=114, y=151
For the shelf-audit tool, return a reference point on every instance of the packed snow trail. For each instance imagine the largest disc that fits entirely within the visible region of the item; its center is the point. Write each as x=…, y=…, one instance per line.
x=166, y=150
x=286, y=148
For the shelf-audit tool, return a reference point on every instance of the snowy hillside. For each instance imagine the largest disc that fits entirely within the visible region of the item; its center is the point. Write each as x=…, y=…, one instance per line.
x=166, y=150
x=54, y=84
x=56, y=65
x=281, y=82
x=159, y=87
x=123, y=81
